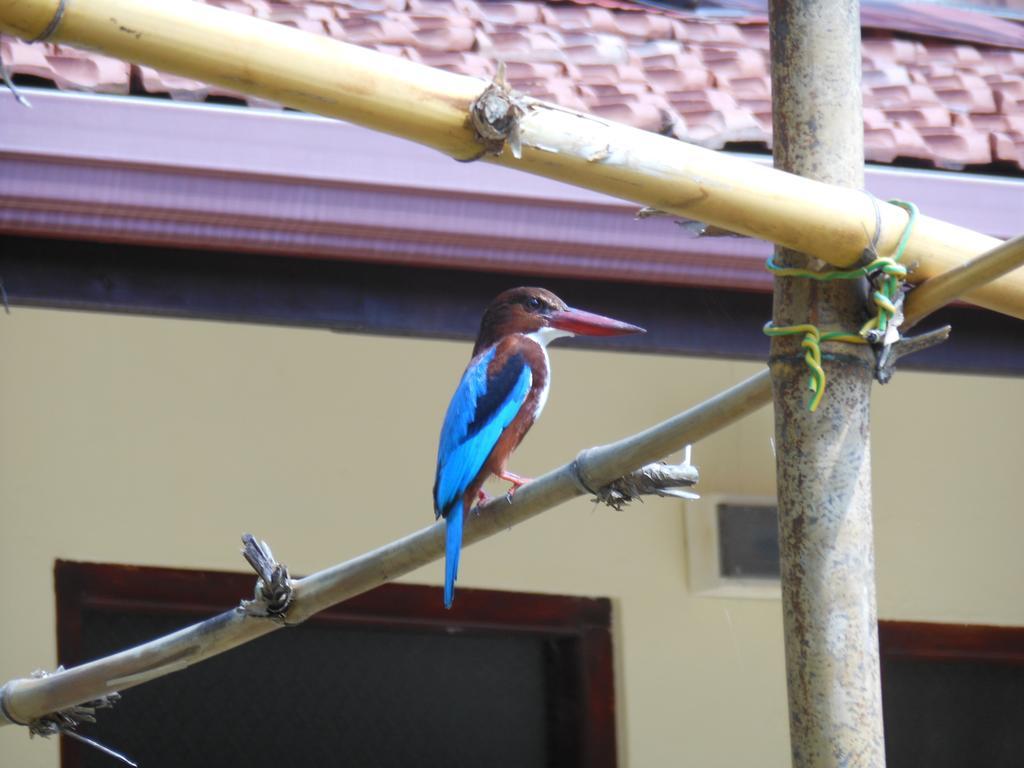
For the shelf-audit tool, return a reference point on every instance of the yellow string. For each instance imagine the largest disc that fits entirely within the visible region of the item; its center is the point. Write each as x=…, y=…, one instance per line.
x=812, y=356
x=883, y=298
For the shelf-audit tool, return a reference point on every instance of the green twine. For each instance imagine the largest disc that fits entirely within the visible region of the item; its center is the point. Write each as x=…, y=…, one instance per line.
x=884, y=298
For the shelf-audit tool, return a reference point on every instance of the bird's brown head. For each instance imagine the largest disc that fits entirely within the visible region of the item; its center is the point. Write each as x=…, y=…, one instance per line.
x=528, y=310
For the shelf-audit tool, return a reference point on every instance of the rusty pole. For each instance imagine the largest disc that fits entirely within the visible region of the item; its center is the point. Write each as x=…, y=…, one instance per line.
x=823, y=458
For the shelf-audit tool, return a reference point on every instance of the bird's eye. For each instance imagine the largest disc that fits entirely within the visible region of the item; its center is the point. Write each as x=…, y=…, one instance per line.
x=534, y=303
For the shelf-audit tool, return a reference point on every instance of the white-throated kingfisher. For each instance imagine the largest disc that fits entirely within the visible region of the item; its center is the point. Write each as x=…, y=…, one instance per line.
x=500, y=395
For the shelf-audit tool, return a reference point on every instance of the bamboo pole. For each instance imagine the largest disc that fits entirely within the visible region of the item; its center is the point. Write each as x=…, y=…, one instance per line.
x=432, y=107
x=944, y=288
x=823, y=458
x=25, y=700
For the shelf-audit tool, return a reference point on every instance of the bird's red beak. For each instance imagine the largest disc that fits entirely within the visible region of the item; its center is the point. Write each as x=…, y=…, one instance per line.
x=589, y=324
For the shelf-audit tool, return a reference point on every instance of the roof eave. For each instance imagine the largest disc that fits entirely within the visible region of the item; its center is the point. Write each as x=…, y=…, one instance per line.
x=152, y=172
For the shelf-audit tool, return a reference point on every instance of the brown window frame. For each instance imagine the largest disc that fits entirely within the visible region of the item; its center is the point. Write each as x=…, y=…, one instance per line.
x=195, y=595
x=951, y=642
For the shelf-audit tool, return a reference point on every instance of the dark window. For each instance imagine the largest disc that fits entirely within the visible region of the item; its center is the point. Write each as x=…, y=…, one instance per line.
x=748, y=541
x=388, y=678
x=952, y=695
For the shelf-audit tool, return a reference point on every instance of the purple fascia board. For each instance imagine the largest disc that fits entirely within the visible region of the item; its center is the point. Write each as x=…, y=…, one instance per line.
x=157, y=172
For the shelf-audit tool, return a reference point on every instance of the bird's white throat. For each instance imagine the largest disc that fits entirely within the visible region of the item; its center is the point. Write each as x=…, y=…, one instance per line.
x=545, y=336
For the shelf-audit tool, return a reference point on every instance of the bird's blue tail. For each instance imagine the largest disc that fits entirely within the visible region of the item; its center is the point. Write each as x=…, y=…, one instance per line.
x=453, y=545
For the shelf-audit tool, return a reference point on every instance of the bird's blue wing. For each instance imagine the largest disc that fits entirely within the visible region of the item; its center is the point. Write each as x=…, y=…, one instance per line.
x=480, y=410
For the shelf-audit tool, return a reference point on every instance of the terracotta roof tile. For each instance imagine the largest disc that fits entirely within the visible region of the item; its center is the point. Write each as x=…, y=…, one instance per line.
x=892, y=50
x=746, y=86
x=520, y=44
x=452, y=8
x=920, y=117
x=573, y=18
x=597, y=93
x=510, y=13
x=561, y=91
x=1008, y=148
x=400, y=51
x=954, y=147
x=636, y=113
x=315, y=11
x=714, y=118
x=610, y=74
x=969, y=100
x=334, y=28
x=886, y=74
x=646, y=26
x=68, y=68
x=449, y=38
x=184, y=89
x=760, y=107
x=463, y=63
x=707, y=81
x=959, y=55
x=874, y=119
x=734, y=62
x=259, y=8
x=645, y=48
x=667, y=54
x=376, y=30
x=179, y=88
x=891, y=142
x=377, y=6
x=236, y=6
x=755, y=36
x=674, y=79
x=536, y=70
x=423, y=21
x=912, y=95
x=1007, y=103
x=1008, y=62
x=587, y=48
x=1007, y=88
x=715, y=34
x=986, y=124
x=25, y=59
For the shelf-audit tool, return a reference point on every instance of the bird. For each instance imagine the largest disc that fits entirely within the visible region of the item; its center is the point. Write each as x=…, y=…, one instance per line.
x=500, y=395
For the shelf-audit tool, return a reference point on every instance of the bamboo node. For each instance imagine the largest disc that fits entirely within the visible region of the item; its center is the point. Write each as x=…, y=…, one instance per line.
x=658, y=479
x=66, y=721
x=274, y=588
x=496, y=115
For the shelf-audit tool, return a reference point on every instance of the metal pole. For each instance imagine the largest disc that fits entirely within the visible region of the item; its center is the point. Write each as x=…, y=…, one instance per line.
x=823, y=458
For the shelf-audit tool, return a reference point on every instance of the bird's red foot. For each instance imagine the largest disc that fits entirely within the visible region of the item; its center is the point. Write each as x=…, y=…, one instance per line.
x=481, y=497
x=517, y=482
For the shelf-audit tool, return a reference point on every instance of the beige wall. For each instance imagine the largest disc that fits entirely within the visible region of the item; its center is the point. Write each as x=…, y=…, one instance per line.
x=152, y=441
